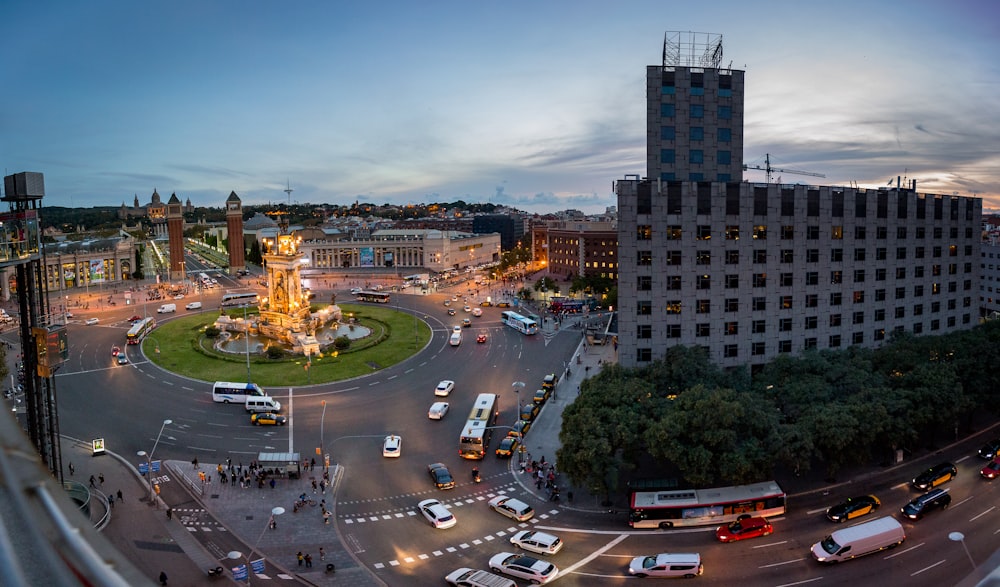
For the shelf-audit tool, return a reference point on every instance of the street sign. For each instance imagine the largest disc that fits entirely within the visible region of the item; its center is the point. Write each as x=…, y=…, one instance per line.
x=257, y=566
x=98, y=446
x=240, y=573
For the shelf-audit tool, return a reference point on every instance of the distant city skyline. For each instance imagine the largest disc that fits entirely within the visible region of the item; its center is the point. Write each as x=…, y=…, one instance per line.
x=536, y=106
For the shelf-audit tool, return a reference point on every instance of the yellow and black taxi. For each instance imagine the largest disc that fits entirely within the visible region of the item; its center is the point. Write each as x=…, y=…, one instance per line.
x=267, y=419
x=519, y=429
x=507, y=447
x=550, y=380
x=541, y=395
x=529, y=411
x=936, y=475
x=853, y=507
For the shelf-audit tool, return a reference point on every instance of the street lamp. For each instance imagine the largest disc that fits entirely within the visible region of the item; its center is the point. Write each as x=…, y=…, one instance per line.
x=246, y=334
x=322, y=421
x=518, y=386
x=237, y=555
x=149, y=462
x=959, y=537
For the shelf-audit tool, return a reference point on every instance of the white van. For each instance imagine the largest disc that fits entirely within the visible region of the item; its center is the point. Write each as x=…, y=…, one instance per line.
x=193, y=306
x=466, y=577
x=231, y=393
x=166, y=308
x=859, y=540
x=456, y=338
x=258, y=404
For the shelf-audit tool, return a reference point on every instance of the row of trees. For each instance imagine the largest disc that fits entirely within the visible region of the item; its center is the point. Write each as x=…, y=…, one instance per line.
x=824, y=408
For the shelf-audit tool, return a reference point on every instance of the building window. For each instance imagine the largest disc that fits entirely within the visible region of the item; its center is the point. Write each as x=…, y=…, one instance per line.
x=784, y=346
x=644, y=308
x=900, y=253
x=723, y=157
x=732, y=304
x=703, y=257
x=673, y=307
x=900, y=272
x=732, y=281
x=673, y=233
x=667, y=156
x=759, y=326
x=858, y=338
x=644, y=355
x=725, y=135
x=645, y=283
x=667, y=110
x=758, y=349
x=704, y=282
x=836, y=277
x=760, y=232
x=760, y=279
x=812, y=300
x=725, y=112
x=859, y=254
x=879, y=334
x=760, y=256
x=732, y=328
x=787, y=256
x=673, y=282
x=812, y=233
x=901, y=312
x=731, y=350
x=697, y=111
x=704, y=232
x=918, y=327
x=837, y=255
x=837, y=233
x=859, y=233
x=785, y=302
x=759, y=304
x=672, y=258
x=859, y=276
x=732, y=233
x=732, y=257
x=697, y=133
x=880, y=315
x=859, y=318
x=879, y=295
x=859, y=296
x=644, y=232
x=703, y=307
x=702, y=330
x=787, y=233
x=785, y=325
x=696, y=156
x=673, y=331
x=880, y=274
x=812, y=255
x=811, y=322
x=836, y=298
x=645, y=258
x=834, y=341
x=809, y=343
x=667, y=133
x=835, y=320
x=645, y=331
x=812, y=278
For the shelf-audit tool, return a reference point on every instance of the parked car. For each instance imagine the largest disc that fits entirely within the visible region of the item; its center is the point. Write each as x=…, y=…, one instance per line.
x=392, y=447
x=744, y=527
x=444, y=388
x=991, y=470
x=541, y=395
x=935, y=476
x=267, y=419
x=441, y=476
x=507, y=447
x=438, y=410
x=523, y=567
x=852, y=508
x=935, y=499
x=687, y=565
x=550, y=380
x=439, y=516
x=512, y=508
x=529, y=411
x=519, y=429
x=539, y=542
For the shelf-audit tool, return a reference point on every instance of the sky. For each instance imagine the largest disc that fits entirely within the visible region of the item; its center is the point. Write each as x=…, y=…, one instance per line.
x=537, y=105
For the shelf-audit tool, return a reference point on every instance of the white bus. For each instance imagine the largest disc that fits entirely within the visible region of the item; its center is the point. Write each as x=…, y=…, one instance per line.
x=247, y=298
x=475, y=437
x=518, y=322
x=235, y=393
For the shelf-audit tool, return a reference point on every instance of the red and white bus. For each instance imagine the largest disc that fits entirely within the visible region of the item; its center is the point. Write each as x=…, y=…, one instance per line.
x=702, y=507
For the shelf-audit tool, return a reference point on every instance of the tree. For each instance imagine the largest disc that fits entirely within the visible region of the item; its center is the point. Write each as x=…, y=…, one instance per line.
x=254, y=256
x=139, y=250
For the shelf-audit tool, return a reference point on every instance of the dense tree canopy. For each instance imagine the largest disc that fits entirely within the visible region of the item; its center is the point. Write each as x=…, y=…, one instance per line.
x=829, y=409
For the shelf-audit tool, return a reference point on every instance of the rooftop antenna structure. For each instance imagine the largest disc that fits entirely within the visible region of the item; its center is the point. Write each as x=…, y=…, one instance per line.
x=769, y=171
x=691, y=49
x=288, y=191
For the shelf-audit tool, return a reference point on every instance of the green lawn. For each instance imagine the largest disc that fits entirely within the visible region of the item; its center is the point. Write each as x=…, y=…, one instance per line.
x=183, y=349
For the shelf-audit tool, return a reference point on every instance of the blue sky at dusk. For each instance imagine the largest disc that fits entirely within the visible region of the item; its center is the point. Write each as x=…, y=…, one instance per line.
x=538, y=105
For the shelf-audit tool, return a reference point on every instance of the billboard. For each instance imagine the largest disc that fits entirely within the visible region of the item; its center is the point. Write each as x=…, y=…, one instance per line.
x=366, y=257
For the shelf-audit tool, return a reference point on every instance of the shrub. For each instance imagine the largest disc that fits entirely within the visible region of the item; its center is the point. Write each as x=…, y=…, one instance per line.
x=342, y=343
x=212, y=332
x=274, y=352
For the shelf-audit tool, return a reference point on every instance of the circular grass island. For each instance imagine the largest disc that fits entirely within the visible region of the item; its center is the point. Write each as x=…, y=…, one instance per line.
x=182, y=347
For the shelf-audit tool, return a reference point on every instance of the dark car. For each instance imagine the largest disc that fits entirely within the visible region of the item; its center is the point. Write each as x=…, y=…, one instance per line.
x=852, y=508
x=743, y=528
x=441, y=476
x=936, y=499
x=989, y=450
x=935, y=476
x=529, y=411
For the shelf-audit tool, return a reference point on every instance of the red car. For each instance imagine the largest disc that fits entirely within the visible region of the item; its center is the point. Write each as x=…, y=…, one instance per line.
x=135, y=318
x=992, y=469
x=481, y=338
x=115, y=350
x=743, y=528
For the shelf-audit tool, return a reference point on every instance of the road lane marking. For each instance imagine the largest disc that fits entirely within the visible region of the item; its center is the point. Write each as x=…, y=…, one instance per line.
x=595, y=554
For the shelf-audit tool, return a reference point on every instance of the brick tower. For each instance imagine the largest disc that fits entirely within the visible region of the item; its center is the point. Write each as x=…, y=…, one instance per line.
x=175, y=235
x=234, y=224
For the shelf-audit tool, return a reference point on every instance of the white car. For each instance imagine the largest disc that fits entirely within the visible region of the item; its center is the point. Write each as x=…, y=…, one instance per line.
x=392, y=447
x=687, y=565
x=512, y=508
x=477, y=312
x=539, y=542
x=91, y=321
x=444, y=388
x=439, y=516
x=467, y=308
x=456, y=328
x=523, y=567
x=438, y=410
x=355, y=291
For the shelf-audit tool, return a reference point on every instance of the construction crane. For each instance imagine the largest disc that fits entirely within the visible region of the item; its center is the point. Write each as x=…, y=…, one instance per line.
x=769, y=170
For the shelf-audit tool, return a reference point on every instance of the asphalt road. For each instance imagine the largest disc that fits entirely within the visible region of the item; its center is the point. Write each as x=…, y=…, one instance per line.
x=126, y=404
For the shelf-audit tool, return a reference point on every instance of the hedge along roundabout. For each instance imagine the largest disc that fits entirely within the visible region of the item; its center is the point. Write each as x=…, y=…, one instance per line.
x=180, y=346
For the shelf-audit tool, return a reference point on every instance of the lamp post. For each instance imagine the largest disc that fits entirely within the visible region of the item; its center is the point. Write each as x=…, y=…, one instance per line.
x=518, y=386
x=246, y=334
x=237, y=555
x=959, y=537
x=322, y=421
x=149, y=463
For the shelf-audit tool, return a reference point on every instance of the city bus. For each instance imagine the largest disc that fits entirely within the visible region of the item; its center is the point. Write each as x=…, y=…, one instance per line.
x=703, y=507
x=139, y=329
x=568, y=306
x=373, y=296
x=235, y=393
x=247, y=298
x=518, y=322
x=475, y=437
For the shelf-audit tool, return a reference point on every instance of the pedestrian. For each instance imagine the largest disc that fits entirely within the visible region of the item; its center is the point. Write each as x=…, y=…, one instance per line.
x=100, y=476
x=72, y=469
x=111, y=502
x=93, y=481
x=273, y=523
x=170, y=513
x=120, y=498
x=163, y=578
x=314, y=485
x=322, y=554
x=309, y=560
x=326, y=517
x=298, y=555
x=273, y=483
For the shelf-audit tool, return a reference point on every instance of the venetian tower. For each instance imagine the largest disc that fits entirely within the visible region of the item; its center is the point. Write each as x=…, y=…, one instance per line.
x=234, y=224
x=175, y=235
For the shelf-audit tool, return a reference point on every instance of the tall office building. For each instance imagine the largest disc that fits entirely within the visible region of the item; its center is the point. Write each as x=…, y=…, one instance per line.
x=752, y=271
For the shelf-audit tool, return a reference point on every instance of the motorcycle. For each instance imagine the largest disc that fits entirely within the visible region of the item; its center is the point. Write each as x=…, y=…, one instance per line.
x=475, y=476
